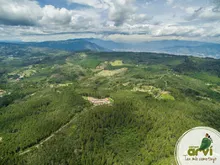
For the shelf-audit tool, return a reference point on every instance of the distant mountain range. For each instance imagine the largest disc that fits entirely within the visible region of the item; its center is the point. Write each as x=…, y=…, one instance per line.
x=69, y=45
x=178, y=47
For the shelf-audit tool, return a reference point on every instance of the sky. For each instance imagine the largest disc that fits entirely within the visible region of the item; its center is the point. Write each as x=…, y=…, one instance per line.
x=117, y=20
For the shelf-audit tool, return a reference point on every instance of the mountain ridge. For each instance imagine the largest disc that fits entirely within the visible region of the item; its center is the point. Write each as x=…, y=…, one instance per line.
x=176, y=47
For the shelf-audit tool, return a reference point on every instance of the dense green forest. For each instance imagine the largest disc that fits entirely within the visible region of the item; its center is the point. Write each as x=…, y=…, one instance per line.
x=55, y=108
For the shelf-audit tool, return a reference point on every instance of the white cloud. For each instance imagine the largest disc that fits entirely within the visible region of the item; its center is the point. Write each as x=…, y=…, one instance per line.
x=170, y=2
x=139, y=19
x=118, y=11
x=189, y=10
x=113, y=19
x=23, y=12
x=217, y=5
x=93, y=3
x=204, y=14
x=52, y=15
x=49, y=18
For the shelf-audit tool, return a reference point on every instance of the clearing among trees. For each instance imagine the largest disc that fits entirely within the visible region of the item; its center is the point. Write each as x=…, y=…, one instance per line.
x=96, y=101
x=108, y=73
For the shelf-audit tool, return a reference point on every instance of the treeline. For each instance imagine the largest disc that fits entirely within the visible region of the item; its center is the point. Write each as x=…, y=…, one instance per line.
x=27, y=122
x=193, y=64
x=125, y=133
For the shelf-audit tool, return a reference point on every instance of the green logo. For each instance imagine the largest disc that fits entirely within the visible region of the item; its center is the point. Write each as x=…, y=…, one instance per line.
x=198, y=146
x=205, y=147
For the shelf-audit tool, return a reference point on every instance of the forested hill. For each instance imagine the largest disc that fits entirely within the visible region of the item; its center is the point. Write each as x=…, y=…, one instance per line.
x=93, y=108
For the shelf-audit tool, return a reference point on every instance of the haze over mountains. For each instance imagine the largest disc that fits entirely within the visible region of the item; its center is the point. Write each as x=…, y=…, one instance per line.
x=178, y=47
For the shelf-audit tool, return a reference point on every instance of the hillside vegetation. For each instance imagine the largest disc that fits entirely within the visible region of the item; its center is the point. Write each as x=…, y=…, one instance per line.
x=47, y=116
